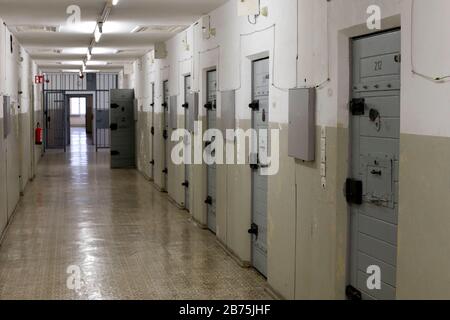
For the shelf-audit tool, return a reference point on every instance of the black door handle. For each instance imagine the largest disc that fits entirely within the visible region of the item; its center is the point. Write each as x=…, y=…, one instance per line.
x=376, y=172
x=185, y=184
x=165, y=171
x=152, y=162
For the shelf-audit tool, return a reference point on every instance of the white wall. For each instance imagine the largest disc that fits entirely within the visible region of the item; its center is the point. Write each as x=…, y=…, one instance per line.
x=17, y=150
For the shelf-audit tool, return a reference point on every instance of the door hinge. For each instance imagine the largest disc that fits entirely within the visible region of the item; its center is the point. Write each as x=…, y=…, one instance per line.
x=254, y=229
x=165, y=136
x=353, y=294
x=208, y=200
x=357, y=106
x=152, y=131
x=354, y=191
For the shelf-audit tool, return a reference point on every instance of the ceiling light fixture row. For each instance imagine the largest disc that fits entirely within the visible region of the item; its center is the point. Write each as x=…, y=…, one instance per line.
x=99, y=30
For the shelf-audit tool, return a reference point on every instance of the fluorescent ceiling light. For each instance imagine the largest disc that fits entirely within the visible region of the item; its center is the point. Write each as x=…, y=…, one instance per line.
x=80, y=27
x=70, y=70
x=135, y=29
x=96, y=63
x=115, y=27
x=97, y=34
x=115, y=2
x=72, y=63
x=80, y=51
x=100, y=50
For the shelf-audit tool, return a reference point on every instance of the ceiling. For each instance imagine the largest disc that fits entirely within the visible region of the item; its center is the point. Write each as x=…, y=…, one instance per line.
x=63, y=46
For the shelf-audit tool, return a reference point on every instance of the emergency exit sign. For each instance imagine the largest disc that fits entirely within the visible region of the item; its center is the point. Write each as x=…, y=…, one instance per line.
x=39, y=79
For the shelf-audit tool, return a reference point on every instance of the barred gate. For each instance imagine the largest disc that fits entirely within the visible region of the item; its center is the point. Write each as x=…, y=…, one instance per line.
x=97, y=84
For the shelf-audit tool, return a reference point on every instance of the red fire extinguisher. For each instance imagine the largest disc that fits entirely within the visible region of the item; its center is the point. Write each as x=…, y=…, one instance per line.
x=38, y=134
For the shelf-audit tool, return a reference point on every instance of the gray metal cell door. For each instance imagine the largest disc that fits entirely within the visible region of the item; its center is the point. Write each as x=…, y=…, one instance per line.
x=260, y=121
x=187, y=90
x=152, y=134
x=372, y=189
x=211, y=110
x=55, y=120
x=165, y=122
x=122, y=126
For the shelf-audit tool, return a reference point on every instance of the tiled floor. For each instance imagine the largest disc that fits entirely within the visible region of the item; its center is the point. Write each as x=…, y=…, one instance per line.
x=127, y=239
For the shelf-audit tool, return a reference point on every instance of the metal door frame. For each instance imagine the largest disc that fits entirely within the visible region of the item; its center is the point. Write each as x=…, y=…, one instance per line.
x=68, y=96
x=350, y=150
x=187, y=169
x=266, y=57
x=165, y=112
x=213, y=200
x=152, y=133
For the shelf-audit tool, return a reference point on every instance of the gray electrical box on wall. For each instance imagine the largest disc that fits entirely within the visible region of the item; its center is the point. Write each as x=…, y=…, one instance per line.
x=302, y=124
x=192, y=100
x=228, y=111
x=173, y=112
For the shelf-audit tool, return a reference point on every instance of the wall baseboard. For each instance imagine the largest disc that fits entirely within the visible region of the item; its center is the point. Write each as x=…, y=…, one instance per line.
x=239, y=261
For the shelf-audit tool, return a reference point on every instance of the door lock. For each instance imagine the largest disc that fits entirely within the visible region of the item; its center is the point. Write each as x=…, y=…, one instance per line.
x=357, y=106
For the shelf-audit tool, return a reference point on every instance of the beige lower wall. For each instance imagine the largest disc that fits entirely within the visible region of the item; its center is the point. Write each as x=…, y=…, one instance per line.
x=308, y=224
x=306, y=231
x=3, y=182
x=13, y=165
x=143, y=146
x=25, y=150
x=424, y=218
x=159, y=155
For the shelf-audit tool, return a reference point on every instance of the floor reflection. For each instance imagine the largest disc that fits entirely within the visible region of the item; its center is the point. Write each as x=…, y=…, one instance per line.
x=127, y=239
